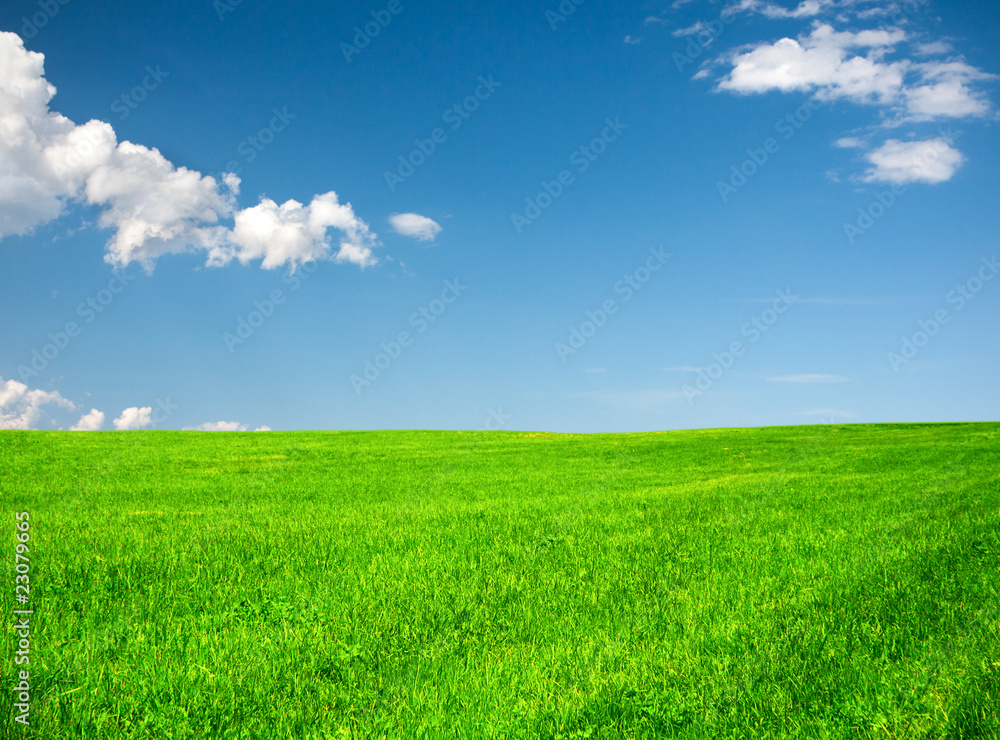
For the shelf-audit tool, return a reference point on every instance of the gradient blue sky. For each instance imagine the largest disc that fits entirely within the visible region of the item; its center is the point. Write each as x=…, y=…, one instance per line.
x=860, y=101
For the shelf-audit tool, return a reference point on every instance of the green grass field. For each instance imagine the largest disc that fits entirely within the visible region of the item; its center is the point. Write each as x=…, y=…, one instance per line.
x=801, y=582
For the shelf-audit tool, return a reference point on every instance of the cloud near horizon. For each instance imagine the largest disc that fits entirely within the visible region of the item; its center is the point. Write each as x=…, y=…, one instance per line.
x=21, y=408
x=92, y=421
x=224, y=426
x=152, y=206
x=135, y=418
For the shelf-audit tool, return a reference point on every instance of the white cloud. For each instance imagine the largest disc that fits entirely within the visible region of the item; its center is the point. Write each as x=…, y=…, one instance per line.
x=224, y=426
x=946, y=91
x=135, y=418
x=931, y=161
x=866, y=67
x=152, y=206
x=632, y=40
x=821, y=63
x=933, y=47
x=218, y=426
x=292, y=233
x=825, y=63
x=804, y=9
x=808, y=378
x=21, y=408
x=415, y=225
x=695, y=28
x=89, y=422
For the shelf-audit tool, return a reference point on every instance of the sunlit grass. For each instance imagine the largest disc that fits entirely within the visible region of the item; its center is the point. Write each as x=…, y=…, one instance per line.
x=813, y=582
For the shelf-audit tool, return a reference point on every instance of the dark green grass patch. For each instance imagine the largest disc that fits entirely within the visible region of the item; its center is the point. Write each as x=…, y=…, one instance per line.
x=807, y=582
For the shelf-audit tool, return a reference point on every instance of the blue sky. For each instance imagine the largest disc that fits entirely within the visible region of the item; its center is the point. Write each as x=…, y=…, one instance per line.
x=580, y=217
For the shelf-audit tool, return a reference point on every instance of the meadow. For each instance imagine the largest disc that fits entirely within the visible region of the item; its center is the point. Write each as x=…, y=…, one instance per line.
x=799, y=582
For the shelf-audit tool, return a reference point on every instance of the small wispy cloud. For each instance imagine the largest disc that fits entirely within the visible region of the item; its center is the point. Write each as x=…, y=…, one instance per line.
x=933, y=47
x=223, y=426
x=682, y=369
x=691, y=30
x=849, y=301
x=414, y=225
x=808, y=378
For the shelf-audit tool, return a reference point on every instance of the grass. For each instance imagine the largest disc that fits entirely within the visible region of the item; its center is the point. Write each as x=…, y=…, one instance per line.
x=803, y=582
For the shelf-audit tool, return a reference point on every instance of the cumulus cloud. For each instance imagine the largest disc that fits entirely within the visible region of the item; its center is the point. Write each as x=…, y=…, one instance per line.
x=931, y=161
x=263, y=429
x=152, y=206
x=945, y=90
x=885, y=68
x=808, y=378
x=89, y=422
x=293, y=234
x=852, y=65
x=822, y=63
x=135, y=418
x=21, y=407
x=415, y=225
